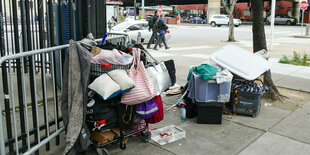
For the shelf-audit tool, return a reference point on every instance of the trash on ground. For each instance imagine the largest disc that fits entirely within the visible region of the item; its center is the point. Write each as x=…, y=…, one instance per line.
x=267, y=104
x=168, y=134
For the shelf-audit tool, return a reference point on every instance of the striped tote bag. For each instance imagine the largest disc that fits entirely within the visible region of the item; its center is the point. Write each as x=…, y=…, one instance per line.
x=144, y=89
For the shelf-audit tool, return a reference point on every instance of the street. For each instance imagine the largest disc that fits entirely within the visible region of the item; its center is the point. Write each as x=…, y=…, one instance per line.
x=193, y=44
x=193, y=33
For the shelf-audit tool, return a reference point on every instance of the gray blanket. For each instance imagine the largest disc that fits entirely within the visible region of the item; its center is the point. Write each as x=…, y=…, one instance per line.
x=74, y=98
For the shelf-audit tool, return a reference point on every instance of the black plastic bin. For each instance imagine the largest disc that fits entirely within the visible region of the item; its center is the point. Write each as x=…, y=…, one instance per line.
x=246, y=103
x=209, y=112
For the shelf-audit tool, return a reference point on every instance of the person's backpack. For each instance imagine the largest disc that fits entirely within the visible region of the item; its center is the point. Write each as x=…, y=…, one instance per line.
x=150, y=23
x=155, y=26
x=162, y=25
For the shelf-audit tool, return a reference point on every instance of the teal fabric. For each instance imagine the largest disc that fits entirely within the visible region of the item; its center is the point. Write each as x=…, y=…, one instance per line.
x=205, y=71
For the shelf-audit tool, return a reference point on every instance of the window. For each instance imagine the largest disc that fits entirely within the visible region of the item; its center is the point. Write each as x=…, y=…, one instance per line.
x=134, y=27
x=121, y=26
x=246, y=13
x=145, y=26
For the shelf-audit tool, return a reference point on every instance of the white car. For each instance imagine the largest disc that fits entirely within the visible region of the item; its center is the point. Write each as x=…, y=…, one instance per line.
x=219, y=20
x=132, y=28
x=131, y=18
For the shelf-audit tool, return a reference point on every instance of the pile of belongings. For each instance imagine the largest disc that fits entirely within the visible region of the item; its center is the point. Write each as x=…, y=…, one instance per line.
x=230, y=68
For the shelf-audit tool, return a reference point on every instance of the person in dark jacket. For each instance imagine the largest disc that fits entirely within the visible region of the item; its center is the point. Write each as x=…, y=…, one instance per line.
x=151, y=27
x=162, y=27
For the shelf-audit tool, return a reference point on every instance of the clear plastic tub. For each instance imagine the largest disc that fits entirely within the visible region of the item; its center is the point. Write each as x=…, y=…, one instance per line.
x=168, y=134
x=210, y=91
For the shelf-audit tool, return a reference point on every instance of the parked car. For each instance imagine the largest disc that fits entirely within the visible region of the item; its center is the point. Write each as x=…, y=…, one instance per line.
x=199, y=20
x=132, y=28
x=282, y=19
x=219, y=20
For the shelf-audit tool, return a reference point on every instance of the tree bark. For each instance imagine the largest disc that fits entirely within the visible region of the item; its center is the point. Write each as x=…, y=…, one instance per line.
x=259, y=43
x=258, y=29
x=230, y=11
x=231, y=37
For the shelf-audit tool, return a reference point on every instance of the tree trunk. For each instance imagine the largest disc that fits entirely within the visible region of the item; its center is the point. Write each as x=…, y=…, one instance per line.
x=259, y=43
x=258, y=29
x=230, y=10
x=231, y=37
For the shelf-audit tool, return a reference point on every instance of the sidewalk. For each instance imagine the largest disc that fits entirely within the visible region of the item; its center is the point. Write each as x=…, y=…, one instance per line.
x=273, y=131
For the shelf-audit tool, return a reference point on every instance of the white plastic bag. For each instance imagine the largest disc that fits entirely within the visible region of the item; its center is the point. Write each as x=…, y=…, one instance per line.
x=115, y=57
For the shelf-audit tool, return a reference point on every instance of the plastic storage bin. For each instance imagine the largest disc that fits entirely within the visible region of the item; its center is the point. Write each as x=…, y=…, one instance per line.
x=246, y=103
x=209, y=90
x=241, y=62
x=176, y=134
x=209, y=112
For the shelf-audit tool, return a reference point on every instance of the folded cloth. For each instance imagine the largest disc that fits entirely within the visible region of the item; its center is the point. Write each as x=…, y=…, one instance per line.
x=205, y=71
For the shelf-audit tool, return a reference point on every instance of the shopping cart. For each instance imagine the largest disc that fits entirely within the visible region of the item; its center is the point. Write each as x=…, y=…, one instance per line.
x=125, y=127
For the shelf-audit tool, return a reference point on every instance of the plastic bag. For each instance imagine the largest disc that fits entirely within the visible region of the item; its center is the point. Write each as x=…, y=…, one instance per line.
x=115, y=57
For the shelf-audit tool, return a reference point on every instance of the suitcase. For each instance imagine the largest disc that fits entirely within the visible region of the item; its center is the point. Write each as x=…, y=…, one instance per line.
x=246, y=103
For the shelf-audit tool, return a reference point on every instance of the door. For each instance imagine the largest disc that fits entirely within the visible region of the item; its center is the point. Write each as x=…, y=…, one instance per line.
x=134, y=30
x=225, y=20
x=145, y=33
x=277, y=19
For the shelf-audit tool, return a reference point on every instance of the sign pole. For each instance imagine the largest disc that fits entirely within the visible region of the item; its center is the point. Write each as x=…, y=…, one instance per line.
x=303, y=6
x=302, y=20
x=273, y=10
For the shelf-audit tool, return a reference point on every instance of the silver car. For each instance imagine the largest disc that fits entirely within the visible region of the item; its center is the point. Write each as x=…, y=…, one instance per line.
x=134, y=27
x=282, y=19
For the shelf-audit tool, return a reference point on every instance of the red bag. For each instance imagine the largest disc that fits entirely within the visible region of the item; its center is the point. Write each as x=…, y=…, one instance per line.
x=159, y=115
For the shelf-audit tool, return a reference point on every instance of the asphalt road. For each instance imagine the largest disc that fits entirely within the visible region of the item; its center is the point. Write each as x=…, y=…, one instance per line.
x=192, y=45
x=194, y=33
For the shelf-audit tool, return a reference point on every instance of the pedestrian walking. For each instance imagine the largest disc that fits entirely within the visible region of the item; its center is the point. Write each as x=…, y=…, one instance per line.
x=153, y=26
x=162, y=28
x=112, y=22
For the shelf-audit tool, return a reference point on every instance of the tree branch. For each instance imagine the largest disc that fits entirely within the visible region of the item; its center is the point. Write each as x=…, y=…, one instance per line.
x=225, y=6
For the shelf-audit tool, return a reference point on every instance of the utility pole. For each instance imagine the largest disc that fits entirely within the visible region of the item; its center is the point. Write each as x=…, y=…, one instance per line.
x=135, y=9
x=143, y=14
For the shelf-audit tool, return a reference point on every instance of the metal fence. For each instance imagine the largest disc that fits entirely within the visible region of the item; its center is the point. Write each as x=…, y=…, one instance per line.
x=30, y=122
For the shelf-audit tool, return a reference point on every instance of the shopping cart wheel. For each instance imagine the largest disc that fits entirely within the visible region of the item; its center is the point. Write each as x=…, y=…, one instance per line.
x=103, y=151
x=146, y=136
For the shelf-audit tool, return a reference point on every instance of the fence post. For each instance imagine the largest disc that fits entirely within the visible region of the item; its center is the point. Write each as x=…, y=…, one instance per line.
x=2, y=145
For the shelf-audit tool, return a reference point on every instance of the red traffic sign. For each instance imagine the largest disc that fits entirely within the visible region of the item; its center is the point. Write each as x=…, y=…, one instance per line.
x=303, y=5
x=160, y=9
